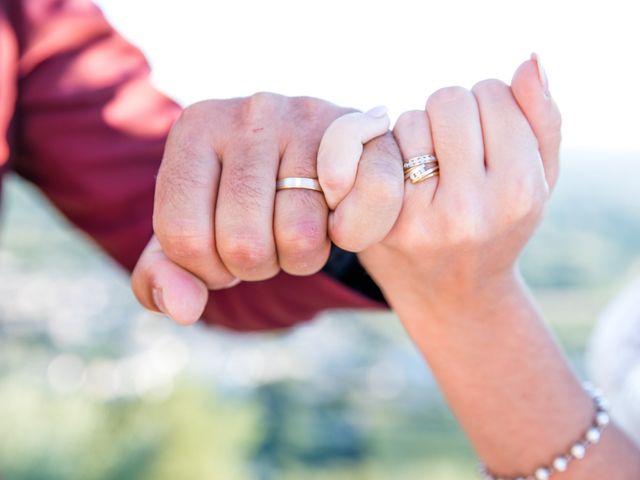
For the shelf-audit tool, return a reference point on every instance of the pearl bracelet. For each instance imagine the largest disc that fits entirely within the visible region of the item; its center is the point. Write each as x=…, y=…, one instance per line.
x=577, y=451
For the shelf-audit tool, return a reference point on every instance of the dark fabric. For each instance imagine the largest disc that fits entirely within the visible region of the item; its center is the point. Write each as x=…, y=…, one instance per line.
x=345, y=267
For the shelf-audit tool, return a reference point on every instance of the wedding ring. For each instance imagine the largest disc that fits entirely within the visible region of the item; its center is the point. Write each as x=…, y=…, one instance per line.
x=298, y=183
x=420, y=160
x=421, y=173
x=420, y=168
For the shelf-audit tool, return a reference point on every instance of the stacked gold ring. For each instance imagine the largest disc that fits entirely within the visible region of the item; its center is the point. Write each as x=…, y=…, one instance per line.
x=420, y=168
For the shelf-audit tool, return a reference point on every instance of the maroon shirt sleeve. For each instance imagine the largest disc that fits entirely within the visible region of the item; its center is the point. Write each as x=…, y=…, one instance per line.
x=90, y=134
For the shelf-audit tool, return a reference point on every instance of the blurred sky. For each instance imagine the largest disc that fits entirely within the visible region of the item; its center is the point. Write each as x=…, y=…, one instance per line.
x=364, y=53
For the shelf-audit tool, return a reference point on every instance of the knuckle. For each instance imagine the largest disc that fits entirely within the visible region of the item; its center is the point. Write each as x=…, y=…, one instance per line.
x=188, y=114
x=195, y=115
x=246, y=251
x=317, y=113
x=261, y=104
x=181, y=244
x=447, y=95
x=308, y=107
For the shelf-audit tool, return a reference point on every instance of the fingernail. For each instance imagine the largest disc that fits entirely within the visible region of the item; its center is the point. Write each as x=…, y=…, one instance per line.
x=377, y=112
x=542, y=74
x=156, y=294
x=233, y=283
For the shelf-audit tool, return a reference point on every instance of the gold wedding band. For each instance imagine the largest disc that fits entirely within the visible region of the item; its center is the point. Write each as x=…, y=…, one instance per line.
x=420, y=168
x=423, y=175
x=302, y=183
x=426, y=166
x=420, y=160
x=419, y=171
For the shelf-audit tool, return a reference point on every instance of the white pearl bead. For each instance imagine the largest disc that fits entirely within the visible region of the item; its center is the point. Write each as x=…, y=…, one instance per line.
x=560, y=464
x=593, y=435
x=602, y=403
x=602, y=419
x=542, y=474
x=578, y=451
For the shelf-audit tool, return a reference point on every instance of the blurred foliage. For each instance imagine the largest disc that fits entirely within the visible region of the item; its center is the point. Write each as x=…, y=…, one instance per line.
x=346, y=397
x=62, y=437
x=590, y=236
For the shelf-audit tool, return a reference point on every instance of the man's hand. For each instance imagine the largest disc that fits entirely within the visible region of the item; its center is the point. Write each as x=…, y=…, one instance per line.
x=218, y=219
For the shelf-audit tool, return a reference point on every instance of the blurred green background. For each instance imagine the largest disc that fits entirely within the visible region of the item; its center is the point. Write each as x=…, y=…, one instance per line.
x=92, y=387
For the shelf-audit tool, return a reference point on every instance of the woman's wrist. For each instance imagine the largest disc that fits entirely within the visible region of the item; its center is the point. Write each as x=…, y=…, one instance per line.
x=437, y=302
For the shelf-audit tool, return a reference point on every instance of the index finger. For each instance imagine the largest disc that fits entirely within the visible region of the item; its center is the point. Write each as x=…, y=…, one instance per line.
x=185, y=199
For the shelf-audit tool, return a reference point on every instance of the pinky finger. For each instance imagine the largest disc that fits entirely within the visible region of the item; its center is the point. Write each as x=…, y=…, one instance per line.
x=341, y=148
x=367, y=215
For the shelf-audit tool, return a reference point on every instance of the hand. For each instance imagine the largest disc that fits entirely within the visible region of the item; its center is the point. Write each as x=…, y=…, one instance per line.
x=218, y=219
x=450, y=259
x=462, y=232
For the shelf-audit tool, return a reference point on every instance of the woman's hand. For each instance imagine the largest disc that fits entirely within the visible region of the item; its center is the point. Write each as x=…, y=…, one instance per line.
x=461, y=233
x=448, y=269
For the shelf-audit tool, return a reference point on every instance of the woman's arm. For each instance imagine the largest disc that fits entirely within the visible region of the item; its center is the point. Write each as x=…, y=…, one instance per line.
x=448, y=268
x=467, y=309
x=510, y=386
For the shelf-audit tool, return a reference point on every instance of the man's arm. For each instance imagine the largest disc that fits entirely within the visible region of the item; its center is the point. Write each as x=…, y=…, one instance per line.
x=91, y=132
x=90, y=127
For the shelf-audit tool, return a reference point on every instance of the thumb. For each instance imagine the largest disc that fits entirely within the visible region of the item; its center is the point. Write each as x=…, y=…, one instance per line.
x=530, y=87
x=162, y=286
x=341, y=148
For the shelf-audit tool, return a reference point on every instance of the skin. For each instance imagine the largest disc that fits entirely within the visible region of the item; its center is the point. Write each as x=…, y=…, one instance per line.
x=218, y=219
x=455, y=284
x=453, y=242
x=345, y=177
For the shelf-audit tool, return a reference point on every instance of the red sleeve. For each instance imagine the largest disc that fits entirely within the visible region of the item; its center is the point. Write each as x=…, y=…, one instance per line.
x=91, y=130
